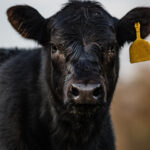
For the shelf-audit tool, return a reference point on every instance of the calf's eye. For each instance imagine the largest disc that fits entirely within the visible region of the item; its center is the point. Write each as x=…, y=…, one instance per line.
x=54, y=48
x=112, y=49
x=110, y=53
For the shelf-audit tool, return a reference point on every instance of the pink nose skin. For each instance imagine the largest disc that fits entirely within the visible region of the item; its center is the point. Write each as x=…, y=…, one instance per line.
x=85, y=94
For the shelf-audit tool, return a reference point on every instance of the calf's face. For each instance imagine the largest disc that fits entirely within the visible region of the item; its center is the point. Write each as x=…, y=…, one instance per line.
x=82, y=44
x=84, y=55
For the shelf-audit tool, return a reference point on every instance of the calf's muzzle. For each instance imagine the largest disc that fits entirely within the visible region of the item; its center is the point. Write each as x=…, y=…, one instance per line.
x=85, y=93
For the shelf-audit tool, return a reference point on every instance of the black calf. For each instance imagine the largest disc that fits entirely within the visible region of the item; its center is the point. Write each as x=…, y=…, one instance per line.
x=58, y=97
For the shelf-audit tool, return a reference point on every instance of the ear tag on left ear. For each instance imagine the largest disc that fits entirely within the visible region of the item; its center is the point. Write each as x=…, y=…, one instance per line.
x=139, y=49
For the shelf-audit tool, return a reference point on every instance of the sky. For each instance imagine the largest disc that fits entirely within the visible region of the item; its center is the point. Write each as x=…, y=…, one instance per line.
x=117, y=8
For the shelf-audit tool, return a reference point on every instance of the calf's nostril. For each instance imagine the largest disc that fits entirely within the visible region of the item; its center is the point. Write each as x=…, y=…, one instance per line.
x=74, y=91
x=97, y=92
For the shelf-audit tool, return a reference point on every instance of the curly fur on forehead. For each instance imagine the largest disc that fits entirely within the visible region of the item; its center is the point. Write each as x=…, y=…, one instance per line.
x=85, y=20
x=82, y=3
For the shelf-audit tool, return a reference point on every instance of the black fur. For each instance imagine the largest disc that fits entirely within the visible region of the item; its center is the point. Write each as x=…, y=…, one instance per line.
x=5, y=54
x=80, y=44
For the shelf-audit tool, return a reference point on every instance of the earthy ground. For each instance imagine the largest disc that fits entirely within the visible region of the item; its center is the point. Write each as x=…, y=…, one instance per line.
x=131, y=113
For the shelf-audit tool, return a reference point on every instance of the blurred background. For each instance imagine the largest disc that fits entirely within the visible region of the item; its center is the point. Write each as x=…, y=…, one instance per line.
x=131, y=103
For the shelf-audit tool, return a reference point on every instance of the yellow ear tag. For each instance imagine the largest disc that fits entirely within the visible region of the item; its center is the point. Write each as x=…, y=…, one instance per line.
x=139, y=49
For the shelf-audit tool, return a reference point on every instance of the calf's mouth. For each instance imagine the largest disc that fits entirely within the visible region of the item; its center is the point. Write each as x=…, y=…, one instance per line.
x=87, y=110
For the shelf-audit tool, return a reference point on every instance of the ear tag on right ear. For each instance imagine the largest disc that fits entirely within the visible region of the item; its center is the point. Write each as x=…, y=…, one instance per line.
x=139, y=49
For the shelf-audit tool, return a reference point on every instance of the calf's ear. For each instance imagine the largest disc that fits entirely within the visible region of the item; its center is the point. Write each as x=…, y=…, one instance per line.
x=28, y=22
x=125, y=26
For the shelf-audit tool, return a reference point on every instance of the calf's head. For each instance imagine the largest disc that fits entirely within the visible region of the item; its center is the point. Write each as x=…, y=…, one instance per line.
x=82, y=44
